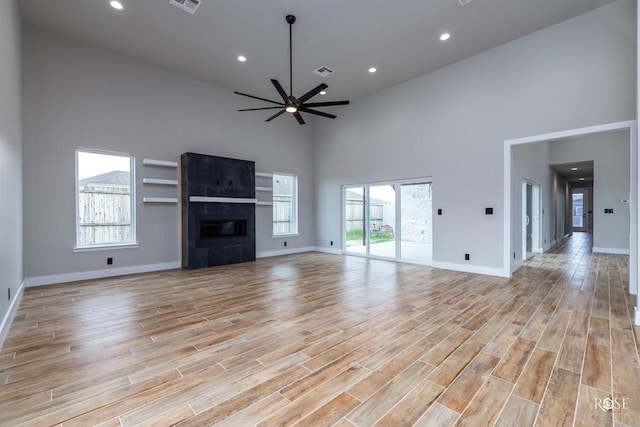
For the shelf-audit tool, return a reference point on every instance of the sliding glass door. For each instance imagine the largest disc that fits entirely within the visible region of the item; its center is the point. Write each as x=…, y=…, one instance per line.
x=415, y=220
x=390, y=220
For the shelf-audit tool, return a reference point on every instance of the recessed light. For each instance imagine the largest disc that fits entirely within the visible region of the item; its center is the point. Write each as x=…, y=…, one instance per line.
x=445, y=36
x=116, y=5
x=373, y=70
x=574, y=169
x=242, y=58
x=323, y=92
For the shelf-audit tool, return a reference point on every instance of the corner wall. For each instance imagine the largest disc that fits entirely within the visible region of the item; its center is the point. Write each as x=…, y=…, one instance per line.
x=451, y=125
x=77, y=95
x=11, y=273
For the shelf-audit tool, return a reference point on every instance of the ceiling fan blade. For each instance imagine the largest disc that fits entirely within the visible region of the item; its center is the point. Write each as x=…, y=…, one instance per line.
x=257, y=97
x=275, y=115
x=280, y=90
x=298, y=117
x=313, y=92
x=256, y=109
x=318, y=113
x=326, y=104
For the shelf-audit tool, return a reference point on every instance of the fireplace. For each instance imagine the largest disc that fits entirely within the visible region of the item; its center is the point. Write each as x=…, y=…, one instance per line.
x=218, y=211
x=215, y=231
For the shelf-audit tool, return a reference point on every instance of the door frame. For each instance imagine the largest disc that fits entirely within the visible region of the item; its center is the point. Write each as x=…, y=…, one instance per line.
x=585, y=210
x=536, y=232
x=629, y=125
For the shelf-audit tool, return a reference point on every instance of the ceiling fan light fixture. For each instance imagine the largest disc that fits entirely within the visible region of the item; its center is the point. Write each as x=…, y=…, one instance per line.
x=290, y=103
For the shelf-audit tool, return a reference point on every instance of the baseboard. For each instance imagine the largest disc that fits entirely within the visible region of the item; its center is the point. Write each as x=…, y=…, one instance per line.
x=638, y=316
x=332, y=251
x=615, y=251
x=10, y=314
x=99, y=274
x=549, y=246
x=516, y=265
x=291, y=251
x=488, y=271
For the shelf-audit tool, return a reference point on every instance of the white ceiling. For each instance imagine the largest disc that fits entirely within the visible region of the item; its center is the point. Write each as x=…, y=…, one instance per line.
x=400, y=38
x=584, y=170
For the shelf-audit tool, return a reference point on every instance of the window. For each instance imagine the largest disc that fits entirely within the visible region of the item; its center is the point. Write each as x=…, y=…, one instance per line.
x=104, y=199
x=285, y=204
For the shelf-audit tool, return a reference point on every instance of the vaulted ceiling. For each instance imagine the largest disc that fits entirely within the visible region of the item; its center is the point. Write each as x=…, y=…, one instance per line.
x=400, y=38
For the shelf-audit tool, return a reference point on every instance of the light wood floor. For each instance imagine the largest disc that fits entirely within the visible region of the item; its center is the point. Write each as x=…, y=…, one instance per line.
x=320, y=339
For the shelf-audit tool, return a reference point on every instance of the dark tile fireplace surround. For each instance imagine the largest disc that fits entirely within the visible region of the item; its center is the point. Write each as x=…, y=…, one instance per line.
x=218, y=211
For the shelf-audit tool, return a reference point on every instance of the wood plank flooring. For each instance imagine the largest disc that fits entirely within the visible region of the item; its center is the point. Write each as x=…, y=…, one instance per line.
x=316, y=339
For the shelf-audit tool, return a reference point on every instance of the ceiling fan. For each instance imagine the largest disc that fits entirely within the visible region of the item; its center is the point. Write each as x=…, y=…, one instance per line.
x=290, y=103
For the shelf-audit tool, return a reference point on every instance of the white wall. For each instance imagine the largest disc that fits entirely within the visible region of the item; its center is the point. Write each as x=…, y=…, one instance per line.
x=531, y=162
x=610, y=153
x=451, y=124
x=11, y=273
x=76, y=95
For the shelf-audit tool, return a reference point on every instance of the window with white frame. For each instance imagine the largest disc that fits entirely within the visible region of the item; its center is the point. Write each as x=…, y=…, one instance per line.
x=285, y=204
x=105, y=202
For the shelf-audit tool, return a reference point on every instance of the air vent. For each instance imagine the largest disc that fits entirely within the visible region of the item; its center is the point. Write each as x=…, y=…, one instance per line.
x=190, y=6
x=324, y=71
x=464, y=2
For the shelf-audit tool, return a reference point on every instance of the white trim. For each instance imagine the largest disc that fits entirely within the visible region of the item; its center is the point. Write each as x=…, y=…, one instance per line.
x=98, y=274
x=160, y=181
x=549, y=246
x=264, y=175
x=637, y=316
x=290, y=251
x=115, y=246
x=476, y=269
x=281, y=235
x=267, y=189
x=7, y=320
x=263, y=203
x=205, y=199
x=159, y=200
x=332, y=251
x=164, y=163
x=517, y=264
x=617, y=251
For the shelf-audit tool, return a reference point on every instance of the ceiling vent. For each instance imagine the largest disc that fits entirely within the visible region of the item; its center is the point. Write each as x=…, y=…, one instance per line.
x=324, y=71
x=190, y=6
x=464, y=2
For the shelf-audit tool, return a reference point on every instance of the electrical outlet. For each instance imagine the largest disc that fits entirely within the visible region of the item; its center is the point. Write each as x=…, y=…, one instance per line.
x=439, y=211
x=285, y=244
x=467, y=257
x=332, y=243
x=488, y=211
x=514, y=255
x=109, y=261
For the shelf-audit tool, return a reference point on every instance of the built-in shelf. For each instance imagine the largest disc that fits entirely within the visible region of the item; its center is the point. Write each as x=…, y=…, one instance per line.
x=163, y=163
x=268, y=189
x=263, y=203
x=205, y=199
x=159, y=200
x=264, y=175
x=160, y=181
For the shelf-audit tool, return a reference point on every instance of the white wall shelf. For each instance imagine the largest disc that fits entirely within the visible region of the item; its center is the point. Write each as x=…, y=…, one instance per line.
x=160, y=200
x=264, y=175
x=263, y=203
x=162, y=163
x=268, y=189
x=160, y=181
